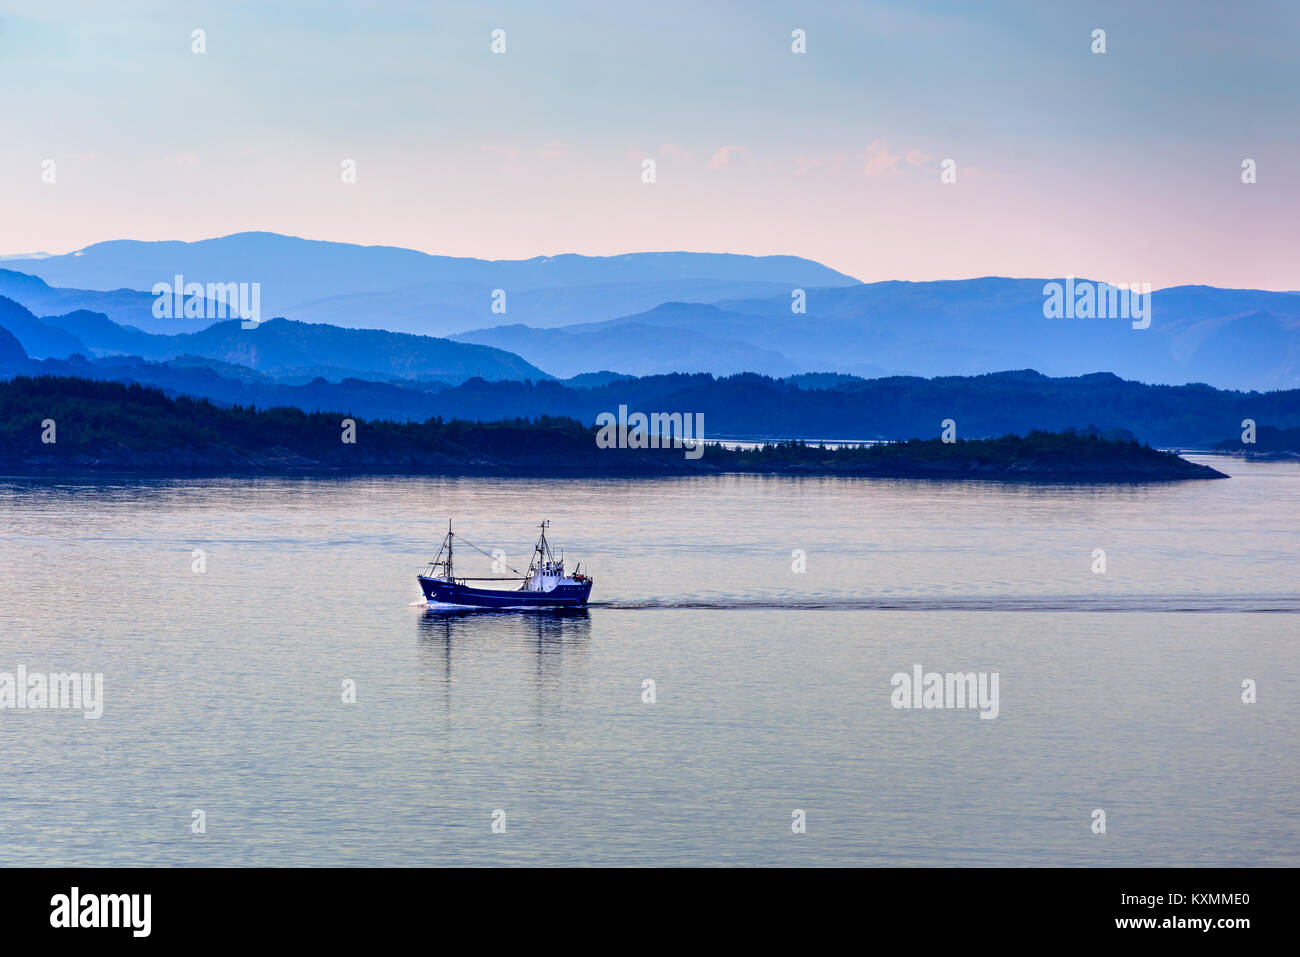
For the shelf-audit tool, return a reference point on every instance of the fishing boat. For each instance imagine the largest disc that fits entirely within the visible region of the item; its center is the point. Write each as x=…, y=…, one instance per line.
x=544, y=585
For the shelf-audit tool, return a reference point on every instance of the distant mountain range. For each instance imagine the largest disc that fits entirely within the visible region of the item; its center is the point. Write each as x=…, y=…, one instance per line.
x=826, y=406
x=1245, y=339
x=383, y=287
x=995, y=404
x=126, y=306
x=649, y=344
x=640, y=314
x=279, y=348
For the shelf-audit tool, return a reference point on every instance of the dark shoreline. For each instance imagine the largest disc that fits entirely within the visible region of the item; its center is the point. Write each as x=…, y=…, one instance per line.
x=1025, y=476
x=78, y=427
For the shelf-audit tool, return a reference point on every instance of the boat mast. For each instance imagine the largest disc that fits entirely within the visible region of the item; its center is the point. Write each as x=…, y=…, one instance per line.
x=449, y=538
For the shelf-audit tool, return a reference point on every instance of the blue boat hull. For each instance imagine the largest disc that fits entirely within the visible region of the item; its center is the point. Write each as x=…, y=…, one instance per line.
x=561, y=596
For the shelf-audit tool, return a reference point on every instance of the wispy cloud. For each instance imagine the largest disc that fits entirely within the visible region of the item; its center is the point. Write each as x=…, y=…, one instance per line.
x=722, y=158
x=878, y=160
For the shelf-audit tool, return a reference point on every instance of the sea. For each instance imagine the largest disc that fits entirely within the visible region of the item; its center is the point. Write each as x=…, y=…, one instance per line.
x=273, y=692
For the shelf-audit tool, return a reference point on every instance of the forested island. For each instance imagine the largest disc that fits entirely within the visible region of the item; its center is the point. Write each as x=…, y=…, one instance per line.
x=73, y=426
x=1270, y=443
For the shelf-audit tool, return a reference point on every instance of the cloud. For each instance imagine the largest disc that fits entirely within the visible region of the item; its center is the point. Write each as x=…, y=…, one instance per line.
x=802, y=164
x=722, y=158
x=877, y=159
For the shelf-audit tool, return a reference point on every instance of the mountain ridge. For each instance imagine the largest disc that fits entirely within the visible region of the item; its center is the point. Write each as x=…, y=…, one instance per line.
x=650, y=313
x=279, y=347
x=303, y=278
x=1232, y=339
x=746, y=405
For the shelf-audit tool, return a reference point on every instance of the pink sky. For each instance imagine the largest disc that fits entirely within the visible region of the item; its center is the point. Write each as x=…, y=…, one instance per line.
x=1124, y=166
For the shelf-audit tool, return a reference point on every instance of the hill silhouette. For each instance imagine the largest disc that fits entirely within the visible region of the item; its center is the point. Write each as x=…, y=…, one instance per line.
x=109, y=427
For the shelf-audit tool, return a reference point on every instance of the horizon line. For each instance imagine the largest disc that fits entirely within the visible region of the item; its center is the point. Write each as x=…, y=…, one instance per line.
x=41, y=255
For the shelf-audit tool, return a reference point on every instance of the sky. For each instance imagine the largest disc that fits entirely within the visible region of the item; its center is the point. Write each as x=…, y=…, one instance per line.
x=1124, y=165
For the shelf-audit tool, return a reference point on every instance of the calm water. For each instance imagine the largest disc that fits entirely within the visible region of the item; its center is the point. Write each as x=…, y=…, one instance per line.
x=1119, y=691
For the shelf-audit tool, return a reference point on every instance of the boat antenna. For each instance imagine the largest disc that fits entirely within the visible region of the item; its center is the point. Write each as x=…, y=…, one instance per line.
x=539, y=550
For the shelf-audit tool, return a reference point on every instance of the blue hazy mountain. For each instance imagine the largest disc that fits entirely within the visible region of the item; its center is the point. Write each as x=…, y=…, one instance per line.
x=650, y=313
x=11, y=350
x=405, y=290
x=126, y=306
x=833, y=406
x=1231, y=338
x=38, y=340
x=445, y=308
x=638, y=348
x=97, y=334
x=673, y=337
x=280, y=348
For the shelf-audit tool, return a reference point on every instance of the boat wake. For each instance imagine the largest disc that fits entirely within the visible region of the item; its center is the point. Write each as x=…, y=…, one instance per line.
x=1222, y=604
